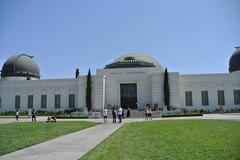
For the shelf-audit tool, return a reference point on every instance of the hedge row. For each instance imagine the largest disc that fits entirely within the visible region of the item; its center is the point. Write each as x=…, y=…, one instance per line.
x=184, y=115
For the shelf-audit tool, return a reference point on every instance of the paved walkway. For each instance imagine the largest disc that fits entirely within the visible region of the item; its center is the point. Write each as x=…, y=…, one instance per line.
x=69, y=147
x=75, y=145
x=227, y=116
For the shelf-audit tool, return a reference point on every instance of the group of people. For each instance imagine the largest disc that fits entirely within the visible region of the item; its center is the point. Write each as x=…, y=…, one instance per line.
x=148, y=112
x=51, y=119
x=117, y=111
x=33, y=115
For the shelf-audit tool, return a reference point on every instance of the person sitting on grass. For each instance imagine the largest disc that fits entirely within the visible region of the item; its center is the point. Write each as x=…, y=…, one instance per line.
x=48, y=120
x=53, y=119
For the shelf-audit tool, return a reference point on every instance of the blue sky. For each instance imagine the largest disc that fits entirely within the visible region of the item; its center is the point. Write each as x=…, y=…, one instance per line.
x=185, y=36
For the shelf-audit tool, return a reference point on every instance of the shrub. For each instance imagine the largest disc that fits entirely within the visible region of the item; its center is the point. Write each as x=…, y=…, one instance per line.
x=203, y=111
x=69, y=111
x=184, y=115
x=13, y=113
x=184, y=110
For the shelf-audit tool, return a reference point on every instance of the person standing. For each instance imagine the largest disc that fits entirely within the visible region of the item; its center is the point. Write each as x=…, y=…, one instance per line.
x=128, y=112
x=149, y=113
x=120, y=114
x=146, y=112
x=33, y=115
x=114, y=114
x=105, y=112
x=17, y=115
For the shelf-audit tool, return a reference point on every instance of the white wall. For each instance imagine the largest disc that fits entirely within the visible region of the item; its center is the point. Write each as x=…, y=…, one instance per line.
x=9, y=89
x=141, y=76
x=210, y=82
x=149, y=89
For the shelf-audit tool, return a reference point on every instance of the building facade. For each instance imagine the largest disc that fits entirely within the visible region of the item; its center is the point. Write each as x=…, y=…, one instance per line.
x=132, y=80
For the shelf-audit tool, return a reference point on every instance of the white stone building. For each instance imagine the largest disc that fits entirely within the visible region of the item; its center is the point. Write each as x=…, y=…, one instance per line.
x=131, y=80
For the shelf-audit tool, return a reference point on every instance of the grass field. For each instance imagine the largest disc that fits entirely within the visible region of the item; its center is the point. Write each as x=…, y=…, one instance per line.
x=16, y=136
x=171, y=140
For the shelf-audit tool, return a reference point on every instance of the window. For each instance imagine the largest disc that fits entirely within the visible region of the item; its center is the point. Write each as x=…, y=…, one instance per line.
x=71, y=100
x=57, y=101
x=17, y=101
x=43, y=101
x=236, y=97
x=221, y=100
x=0, y=102
x=30, y=101
x=188, y=98
x=205, y=98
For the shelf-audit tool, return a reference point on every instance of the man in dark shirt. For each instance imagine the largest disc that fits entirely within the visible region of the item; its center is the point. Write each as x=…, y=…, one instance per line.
x=33, y=116
x=114, y=114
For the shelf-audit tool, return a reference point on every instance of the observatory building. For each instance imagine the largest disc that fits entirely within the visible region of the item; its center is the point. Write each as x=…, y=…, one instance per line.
x=132, y=80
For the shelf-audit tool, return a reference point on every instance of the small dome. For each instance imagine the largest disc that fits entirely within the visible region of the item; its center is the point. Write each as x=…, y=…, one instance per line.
x=20, y=66
x=134, y=60
x=234, y=63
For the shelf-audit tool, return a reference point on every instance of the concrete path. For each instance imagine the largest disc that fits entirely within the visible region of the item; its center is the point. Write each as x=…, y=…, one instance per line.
x=225, y=116
x=75, y=145
x=69, y=147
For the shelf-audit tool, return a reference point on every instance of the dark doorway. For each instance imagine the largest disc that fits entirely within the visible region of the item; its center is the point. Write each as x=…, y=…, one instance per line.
x=128, y=95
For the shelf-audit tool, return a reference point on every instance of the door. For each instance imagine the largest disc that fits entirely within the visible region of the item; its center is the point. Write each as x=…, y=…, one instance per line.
x=128, y=95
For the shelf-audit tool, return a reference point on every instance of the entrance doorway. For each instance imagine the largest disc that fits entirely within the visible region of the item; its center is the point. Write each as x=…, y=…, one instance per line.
x=128, y=95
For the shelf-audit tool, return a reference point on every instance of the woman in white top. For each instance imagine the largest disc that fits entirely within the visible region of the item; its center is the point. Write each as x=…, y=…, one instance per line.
x=105, y=112
x=120, y=114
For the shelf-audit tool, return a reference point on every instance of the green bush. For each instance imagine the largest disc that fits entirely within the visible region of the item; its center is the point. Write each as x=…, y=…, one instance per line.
x=184, y=110
x=56, y=113
x=40, y=113
x=203, y=111
x=12, y=113
x=71, y=117
x=9, y=113
x=184, y=115
x=69, y=111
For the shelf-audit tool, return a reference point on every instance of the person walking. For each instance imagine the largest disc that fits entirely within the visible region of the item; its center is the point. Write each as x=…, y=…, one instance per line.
x=33, y=115
x=105, y=112
x=128, y=112
x=120, y=114
x=114, y=114
x=17, y=115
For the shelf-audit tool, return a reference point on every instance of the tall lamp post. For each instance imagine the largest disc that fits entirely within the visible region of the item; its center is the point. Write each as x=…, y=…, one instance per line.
x=104, y=91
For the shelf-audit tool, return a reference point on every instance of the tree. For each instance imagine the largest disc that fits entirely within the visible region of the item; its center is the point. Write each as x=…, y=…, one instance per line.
x=166, y=90
x=89, y=91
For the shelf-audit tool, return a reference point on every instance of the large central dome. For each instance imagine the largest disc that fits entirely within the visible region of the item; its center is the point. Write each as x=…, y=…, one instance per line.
x=134, y=60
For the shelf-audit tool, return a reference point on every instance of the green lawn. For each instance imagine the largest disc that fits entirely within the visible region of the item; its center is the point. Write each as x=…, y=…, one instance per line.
x=171, y=140
x=16, y=136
